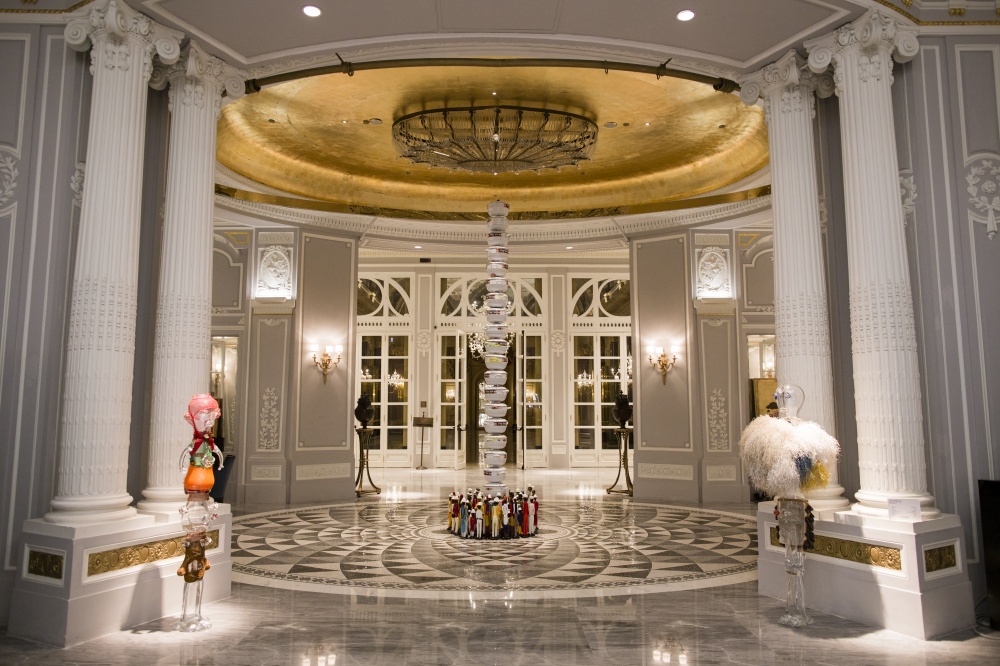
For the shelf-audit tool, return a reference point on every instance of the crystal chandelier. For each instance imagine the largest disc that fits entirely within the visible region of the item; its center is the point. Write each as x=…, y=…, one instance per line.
x=396, y=382
x=625, y=370
x=585, y=380
x=477, y=343
x=495, y=139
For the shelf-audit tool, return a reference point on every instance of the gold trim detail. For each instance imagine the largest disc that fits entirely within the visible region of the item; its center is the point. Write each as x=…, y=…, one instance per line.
x=338, y=207
x=868, y=554
x=46, y=565
x=937, y=559
x=68, y=10
x=141, y=553
x=918, y=22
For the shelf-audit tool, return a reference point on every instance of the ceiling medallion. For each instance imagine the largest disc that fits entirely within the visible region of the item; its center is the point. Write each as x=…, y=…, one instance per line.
x=495, y=139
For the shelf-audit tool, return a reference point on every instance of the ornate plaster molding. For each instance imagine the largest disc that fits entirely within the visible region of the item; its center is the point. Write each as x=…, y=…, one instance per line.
x=115, y=27
x=872, y=38
x=714, y=277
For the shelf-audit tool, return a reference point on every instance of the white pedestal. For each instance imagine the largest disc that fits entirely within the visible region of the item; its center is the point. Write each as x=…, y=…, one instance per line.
x=909, y=577
x=58, y=601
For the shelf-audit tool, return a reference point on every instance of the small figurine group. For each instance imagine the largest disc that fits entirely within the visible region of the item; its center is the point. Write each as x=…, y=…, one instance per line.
x=474, y=515
x=197, y=463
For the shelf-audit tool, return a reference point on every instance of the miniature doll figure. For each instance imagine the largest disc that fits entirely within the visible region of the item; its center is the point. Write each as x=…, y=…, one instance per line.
x=506, y=520
x=532, y=515
x=463, y=518
x=196, y=516
x=472, y=521
x=496, y=519
x=202, y=413
x=451, y=510
x=479, y=520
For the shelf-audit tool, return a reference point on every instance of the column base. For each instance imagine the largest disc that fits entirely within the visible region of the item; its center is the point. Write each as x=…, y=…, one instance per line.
x=876, y=504
x=163, y=503
x=79, y=583
x=909, y=577
x=90, y=509
x=827, y=501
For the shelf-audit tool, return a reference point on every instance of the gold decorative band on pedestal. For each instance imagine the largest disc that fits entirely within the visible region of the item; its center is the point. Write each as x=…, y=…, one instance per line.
x=873, y=555
x=938, y=559
x=116, y=559
x=46, y=565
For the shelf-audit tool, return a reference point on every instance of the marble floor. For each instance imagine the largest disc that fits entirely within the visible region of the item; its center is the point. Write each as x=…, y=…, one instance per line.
x=723, y=624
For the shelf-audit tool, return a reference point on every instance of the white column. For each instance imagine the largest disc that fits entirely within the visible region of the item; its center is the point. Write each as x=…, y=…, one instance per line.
x=100, y=351
x=883, y=334
x=181, y=357
x=802, y=325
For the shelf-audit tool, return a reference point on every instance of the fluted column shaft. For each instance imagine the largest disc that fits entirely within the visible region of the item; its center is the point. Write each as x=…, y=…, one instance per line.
x=883, y=333
x=94, y=439
x=802, y=326
x=181, y=356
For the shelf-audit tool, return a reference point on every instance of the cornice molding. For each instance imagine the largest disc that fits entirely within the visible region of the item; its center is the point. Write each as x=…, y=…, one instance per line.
x=521, y=232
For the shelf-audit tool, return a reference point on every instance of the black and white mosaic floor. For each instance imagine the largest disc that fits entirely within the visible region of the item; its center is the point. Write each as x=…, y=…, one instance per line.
x=582, y=548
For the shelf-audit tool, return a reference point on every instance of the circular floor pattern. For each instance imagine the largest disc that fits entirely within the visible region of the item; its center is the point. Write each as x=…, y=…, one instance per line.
x=404, y=549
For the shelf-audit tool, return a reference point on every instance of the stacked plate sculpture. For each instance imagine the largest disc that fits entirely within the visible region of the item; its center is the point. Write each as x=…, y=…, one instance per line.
x=496, y=350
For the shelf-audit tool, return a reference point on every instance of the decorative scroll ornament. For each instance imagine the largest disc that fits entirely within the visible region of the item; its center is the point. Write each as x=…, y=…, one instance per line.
x=76, y=183
x=907, y=195
x=713, y=273
x=787, y=82
x=424, y=340
x=984, y=194
x=116, y=27
x=718, y=422
x=557, y=341
x=270, y=416
x=873, y=36
x=190, y=75
x=8, y=179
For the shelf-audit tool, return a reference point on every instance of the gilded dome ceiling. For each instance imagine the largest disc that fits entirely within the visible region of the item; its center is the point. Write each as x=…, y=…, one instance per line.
x=329, y=137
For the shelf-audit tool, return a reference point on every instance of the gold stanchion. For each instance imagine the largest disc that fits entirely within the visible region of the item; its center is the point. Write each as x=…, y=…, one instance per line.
x=364, y=439
x=622, y=434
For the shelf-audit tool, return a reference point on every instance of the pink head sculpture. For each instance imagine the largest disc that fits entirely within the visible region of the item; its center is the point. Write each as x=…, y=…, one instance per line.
x=202, y=413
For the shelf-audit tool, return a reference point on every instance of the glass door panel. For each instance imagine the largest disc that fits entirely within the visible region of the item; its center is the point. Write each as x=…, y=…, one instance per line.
x=384, y=377
x=451, y=401
x=601, y=369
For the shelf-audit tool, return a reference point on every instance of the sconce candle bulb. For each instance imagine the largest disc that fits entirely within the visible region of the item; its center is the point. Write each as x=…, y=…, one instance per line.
x=326, y=361
x=658, y=359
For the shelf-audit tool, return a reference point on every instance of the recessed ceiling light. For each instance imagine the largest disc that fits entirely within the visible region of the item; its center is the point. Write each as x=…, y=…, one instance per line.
x=418, y=247
x=685, y=15
x=722, y=127
x=344, y=122
x=494, y=92
x=647, y=124
x=569, y=247
x=312, y=11
x=611, y=124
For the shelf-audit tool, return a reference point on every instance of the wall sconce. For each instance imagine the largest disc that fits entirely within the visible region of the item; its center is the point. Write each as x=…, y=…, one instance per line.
x=326, y=361
x=658, y=359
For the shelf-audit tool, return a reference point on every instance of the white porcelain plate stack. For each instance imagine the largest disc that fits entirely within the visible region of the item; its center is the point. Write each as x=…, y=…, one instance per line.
x=495, y=353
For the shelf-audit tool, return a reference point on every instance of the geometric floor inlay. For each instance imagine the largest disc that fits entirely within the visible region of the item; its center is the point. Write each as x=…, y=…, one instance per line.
x=406, y=548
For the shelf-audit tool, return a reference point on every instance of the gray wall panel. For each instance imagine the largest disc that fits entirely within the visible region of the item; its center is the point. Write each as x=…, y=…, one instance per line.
x=41, y=120
x=947, y=100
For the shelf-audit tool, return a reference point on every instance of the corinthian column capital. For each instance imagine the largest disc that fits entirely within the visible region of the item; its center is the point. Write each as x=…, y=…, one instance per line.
x=193, y=71
x=875, y=35
x=786, y=84
x=115, y=27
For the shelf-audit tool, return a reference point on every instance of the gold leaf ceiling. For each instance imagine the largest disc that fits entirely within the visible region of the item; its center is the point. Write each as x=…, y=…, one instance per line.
x=292, y=137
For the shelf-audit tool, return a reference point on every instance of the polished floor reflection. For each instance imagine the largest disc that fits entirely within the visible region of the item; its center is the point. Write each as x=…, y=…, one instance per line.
x=730, y=624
